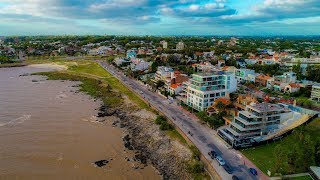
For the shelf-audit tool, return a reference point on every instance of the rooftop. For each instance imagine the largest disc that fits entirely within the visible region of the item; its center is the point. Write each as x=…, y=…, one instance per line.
x=269, y=107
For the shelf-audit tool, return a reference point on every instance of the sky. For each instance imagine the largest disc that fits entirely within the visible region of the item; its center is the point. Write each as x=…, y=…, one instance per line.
x=160, y=17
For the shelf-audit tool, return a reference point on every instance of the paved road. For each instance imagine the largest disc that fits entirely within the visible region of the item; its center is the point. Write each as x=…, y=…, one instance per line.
x=203, y=137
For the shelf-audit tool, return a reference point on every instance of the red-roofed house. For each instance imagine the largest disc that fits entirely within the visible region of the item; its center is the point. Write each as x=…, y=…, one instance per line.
x=262, y=79
x=292, y=87
x=175, y=88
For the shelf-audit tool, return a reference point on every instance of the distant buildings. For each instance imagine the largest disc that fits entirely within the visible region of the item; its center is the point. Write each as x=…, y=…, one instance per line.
x=255, y=121
x=205, y=88
x=180, y=46
x=315, y=93
x=164, y=44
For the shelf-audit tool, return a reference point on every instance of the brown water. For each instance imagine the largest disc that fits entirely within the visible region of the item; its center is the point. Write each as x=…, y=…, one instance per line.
x=47, y=131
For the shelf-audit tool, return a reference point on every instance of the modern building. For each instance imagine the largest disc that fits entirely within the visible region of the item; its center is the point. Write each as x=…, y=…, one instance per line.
x=205, y=88
x=315, y=93
x=258, y=119
x=164, y=44
x=180, y=46
x=242, y=74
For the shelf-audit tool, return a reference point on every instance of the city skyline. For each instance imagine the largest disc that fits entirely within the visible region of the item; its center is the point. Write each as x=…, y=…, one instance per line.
x=156, y=17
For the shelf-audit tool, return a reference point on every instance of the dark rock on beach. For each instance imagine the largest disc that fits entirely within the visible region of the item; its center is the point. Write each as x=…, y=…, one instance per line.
x=101, y=163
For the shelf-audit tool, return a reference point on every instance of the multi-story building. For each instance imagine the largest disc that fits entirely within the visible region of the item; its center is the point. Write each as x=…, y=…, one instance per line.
x=242, y=74
x=164, y=44
x=315, y=93
x=180, y=46
x=257, y=120
x=204, y=88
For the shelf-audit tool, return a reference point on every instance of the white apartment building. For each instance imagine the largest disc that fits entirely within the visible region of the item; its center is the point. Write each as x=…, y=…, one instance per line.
x=180, y=46
x=315, y=93
x=204, y=88
x=164, y=44
x=255, y=121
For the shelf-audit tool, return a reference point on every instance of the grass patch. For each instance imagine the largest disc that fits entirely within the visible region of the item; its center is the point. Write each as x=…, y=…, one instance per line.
x=174, y=134
x=94, y=87
x=301, y=178
x=265, y=156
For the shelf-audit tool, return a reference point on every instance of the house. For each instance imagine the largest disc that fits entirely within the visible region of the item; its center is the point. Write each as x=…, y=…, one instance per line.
x=242, y=74
x=229, y=69
x=119, y=61
x=283, y=80
x=139, y=64
x=131, y=54
x=203, y=67
x=292, y=87
x=243, y=100
x=221, y=63
x=251, y=61
x=242, y=63
x=175, y=89
x=262, y=80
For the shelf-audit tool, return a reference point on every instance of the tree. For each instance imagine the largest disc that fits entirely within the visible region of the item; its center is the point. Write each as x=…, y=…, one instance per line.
x=220, y=106
x=313, y=74
x=159, y=84
x=297, y=69
x=154, y=66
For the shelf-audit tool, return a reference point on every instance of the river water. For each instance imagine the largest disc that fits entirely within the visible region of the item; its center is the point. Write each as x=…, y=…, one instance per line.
x=48, y=131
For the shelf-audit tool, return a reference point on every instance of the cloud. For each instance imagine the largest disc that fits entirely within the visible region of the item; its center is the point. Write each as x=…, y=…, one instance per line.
x=274, y=10
x=166, y=14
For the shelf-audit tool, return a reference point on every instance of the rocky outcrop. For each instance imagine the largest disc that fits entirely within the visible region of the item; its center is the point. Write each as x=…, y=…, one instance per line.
x=151, y=144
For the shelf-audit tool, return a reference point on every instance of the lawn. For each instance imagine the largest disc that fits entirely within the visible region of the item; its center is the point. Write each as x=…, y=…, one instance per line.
x=301, y=178
x=92, y=69
x=264, y=157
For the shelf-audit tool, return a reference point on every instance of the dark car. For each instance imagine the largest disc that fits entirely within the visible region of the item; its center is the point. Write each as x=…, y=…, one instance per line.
x=228, y=168
x=212, y=154
x=235, y=178
x=253, y=171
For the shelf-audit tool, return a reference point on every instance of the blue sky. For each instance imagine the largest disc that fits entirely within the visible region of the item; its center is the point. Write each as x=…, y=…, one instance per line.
x=160, y=17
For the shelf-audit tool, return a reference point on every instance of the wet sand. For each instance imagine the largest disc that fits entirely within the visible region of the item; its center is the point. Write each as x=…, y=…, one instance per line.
x=49, y=131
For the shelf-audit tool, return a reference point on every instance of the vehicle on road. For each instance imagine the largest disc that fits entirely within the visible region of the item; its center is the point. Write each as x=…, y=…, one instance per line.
x=253, y=171
x=228, y=168
x=220, y=160
x=212, y=154
x=235, y=177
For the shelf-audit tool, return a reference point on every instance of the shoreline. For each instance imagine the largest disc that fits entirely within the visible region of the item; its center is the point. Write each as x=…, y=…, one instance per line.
x=150, y=144
x=142, y=135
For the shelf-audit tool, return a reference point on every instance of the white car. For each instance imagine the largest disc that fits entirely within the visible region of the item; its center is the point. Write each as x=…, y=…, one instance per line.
x=220, y=160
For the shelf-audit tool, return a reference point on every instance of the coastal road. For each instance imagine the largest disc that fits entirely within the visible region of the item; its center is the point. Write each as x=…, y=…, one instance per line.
x=204, y=138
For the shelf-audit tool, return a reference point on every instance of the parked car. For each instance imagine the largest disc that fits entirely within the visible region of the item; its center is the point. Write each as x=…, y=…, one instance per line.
x=235, y=177
x=253, y=171
x=220, y=160
x=228, y=168
x=212, y=154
